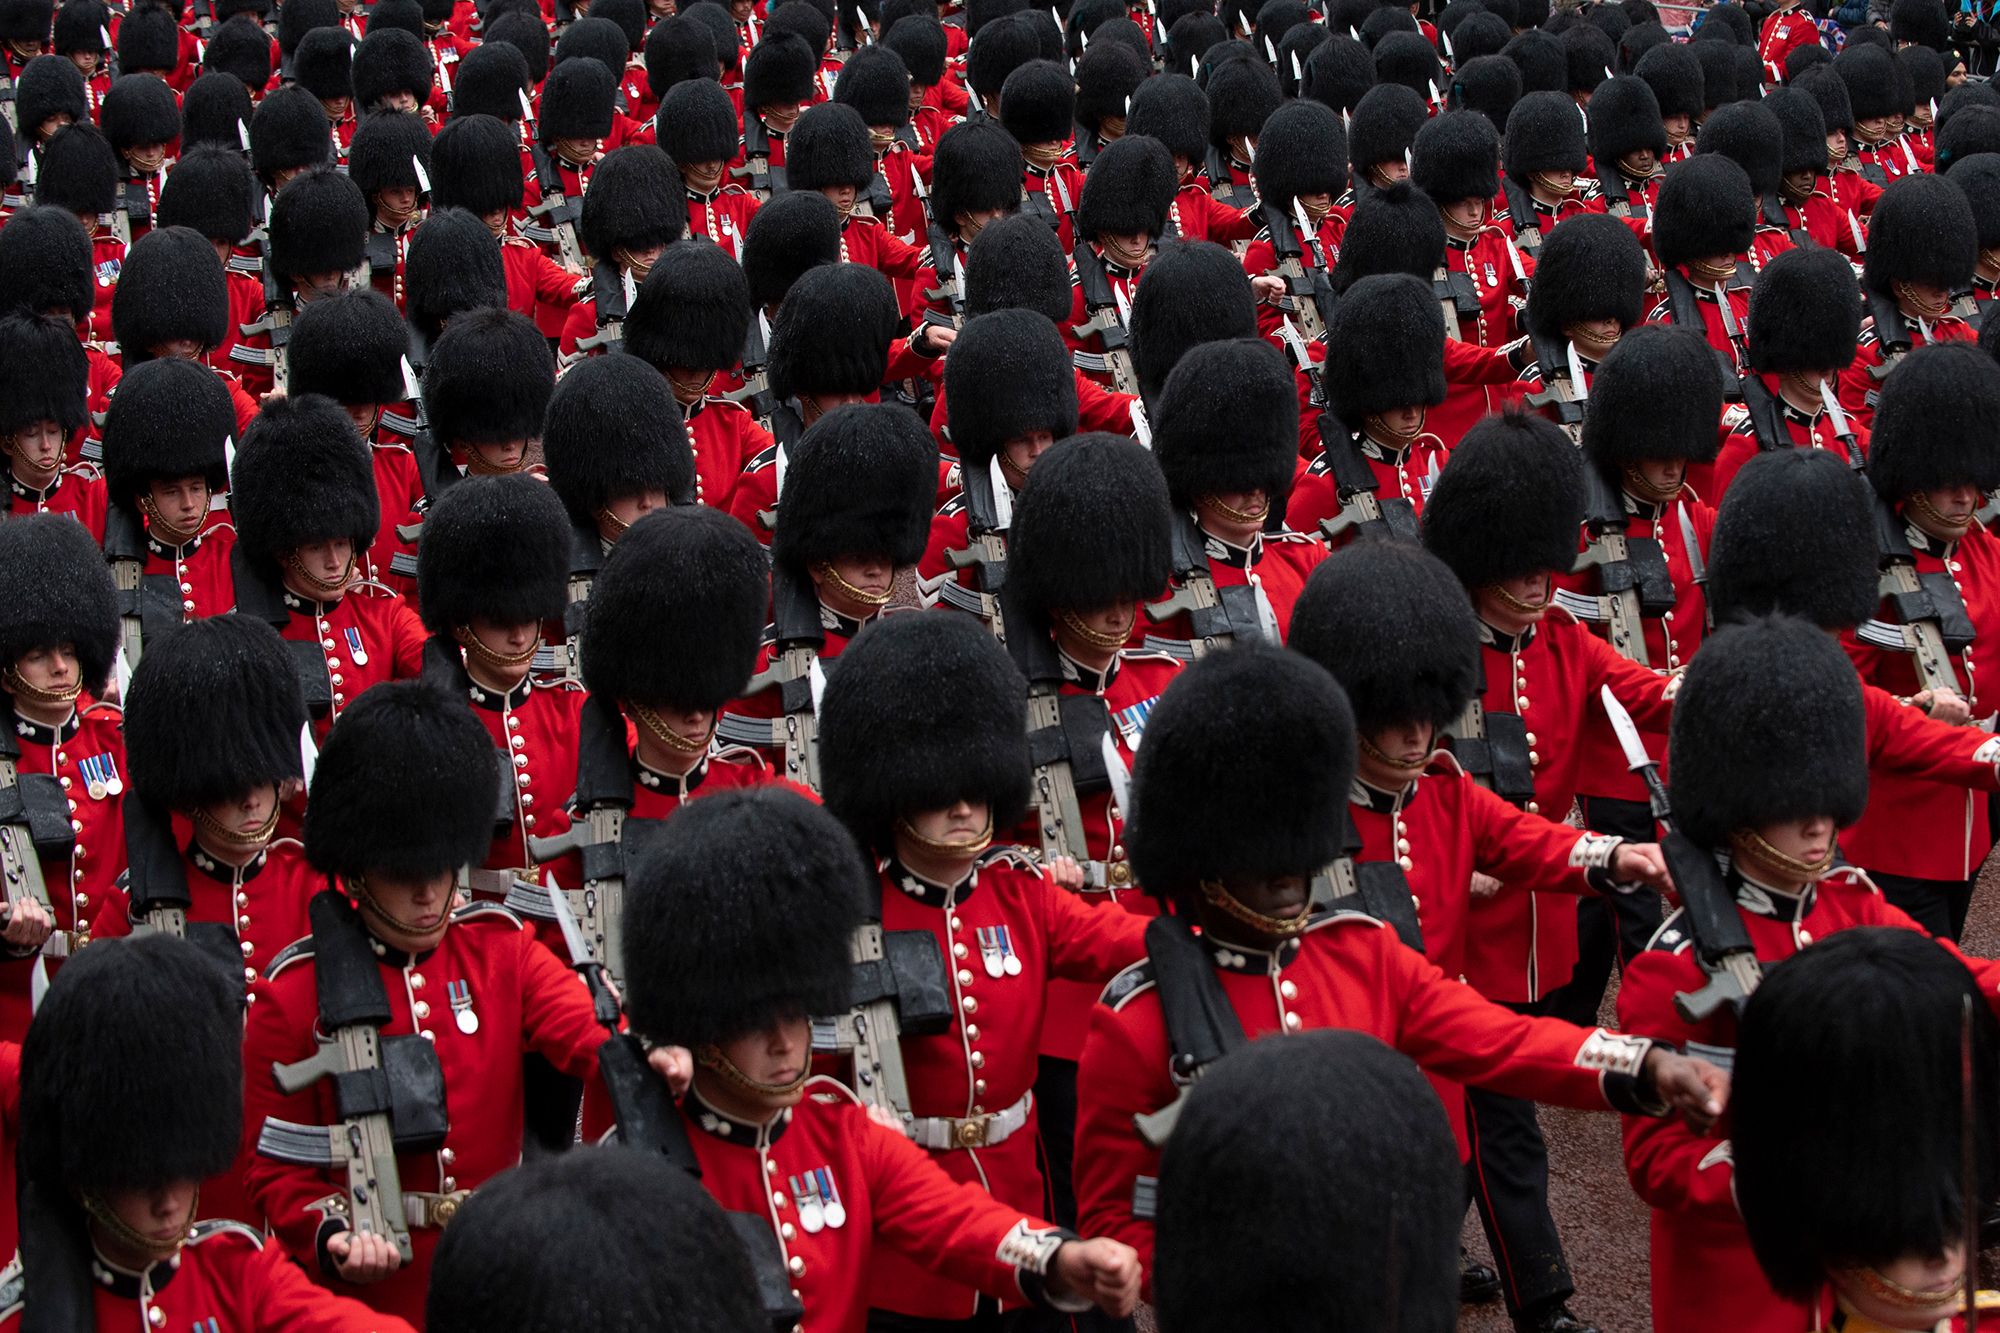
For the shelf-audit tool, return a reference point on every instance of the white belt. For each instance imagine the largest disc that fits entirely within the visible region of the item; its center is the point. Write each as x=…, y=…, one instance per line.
x=941, y=1132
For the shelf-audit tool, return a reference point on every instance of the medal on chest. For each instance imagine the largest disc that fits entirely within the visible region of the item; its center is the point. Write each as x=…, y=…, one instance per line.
x=996, y=950
x=100, y=776
x=818, y=1201
x=462, y=1013
x=1492, y=277
x=357, y=651
x=1131, y=722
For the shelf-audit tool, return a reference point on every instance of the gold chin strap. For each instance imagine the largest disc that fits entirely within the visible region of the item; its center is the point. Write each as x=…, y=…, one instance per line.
x=631, y=265
x=359, y=884
x=848, y=590
x=172, y=535
x=1713, y=270
x=479, y=465
x=1921, y=308
x=1641, y=486
x=1095, y=638
x=1375, y=425
x=221, y=832
x=880, y=139
x=1547, y=182
x=1593, y=346
x=979, y=843
x=1929, y=513
x=1275, y=927
x=1381, y=756
x=499, y=661
x=711, y=1058
x=1316, y=212
x=690, y=391
x=616, y=524
x=1111, y=127
x=1126, y=257
x=656, y=726
x=314, y=581
x=1042, y=156
x=1513, y=603
x=1751, y=846
x=1257, y=515
x=1894, y=1293
x=35, y=694
x=101, y=1213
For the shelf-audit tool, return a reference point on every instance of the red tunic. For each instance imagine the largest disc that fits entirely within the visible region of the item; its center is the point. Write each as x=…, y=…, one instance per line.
x=262, y=904
x=1739, y=445
x=1487, y=260
x=1261, y=258
x=76, y=491
x=201, y=568
x=488, y=974
x=986, y=1061
x=1197, y=215
x=535, y=281
x=1062, y=186
x=399, y=485
x=1784, y=32
x=723, y=216
x=1858, y=385
x=1279, y=563
x=1346, y=971
x=1712, y=326
x=1403, y=474
x=369, y=635
x=535, y=729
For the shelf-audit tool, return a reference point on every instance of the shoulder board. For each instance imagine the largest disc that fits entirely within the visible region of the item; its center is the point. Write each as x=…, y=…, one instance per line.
x=1288, y=535
x=864, y=220
x=511, y=239
x=1736, y=418
x=1136, y=978
x=1444, y=762
x=1866, y=338
x=1342, y=916
x=485, y=911
x=763, y=458
x=1010, y=855
x=1558, y=610
x=740, y=756
x=1673, y=936
x=1263, y=234
x=291, y=953
x=711, y=403
x=13, y=1287
x=1851, y=877
x=1145, y=655
x=104, y=709
x=293, y=843
x=222, y=1226
x=1590, y=188
x=953, y=507
x=373, y=588
x=392, y=446
x=583, y=294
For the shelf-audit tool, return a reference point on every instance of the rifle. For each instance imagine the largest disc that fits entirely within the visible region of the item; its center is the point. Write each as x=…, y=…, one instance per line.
x=755, y=395
x=1684, y=305
x=1108, y=315
x=898, y=986
x=950, y=276
x=7, y=102
x=1493, y=749
x=1892, y=334
x=34, y=822
x=1721, y=944
x=1216, y=616
x=1632, y=575
x=1931, y=624
x=1521, y=209
x=1563, y=393
x=155, y=879
x=1222, y=185
x=388, y=1091
x=557, y=211
x=1377, y=889
x=1362, y=510
x=1456, y=296
x=614, y=291
x=1201, y=1025
x=277, y=322
x=796, y=674
x=585, y=559
x=1302, y=267
x=757, y=174
x=134, y=208
x=1068, y=741
x=989, y=506
x=603, y=801
x=125, y=547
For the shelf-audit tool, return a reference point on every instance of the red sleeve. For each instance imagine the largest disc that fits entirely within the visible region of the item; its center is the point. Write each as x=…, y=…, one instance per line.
x=1642, y=690
x=114, y=916
x=1092, y=940
x=1118, y=1077
x=896, y=257
x=1902, y=740
x=1737, y=450
x=907, y=363
x=1228, y=225
x=579, y=323
x=1521, y=850
x=1468, y=363
x=554, y=284
x=409, y=636
x=282, y=1299
x=1098, y=408
x=1670, y=1166
x=245, y=405
x=557, y=1017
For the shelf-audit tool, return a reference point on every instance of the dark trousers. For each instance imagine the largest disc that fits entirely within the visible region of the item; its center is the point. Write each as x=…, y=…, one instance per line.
x=988, y=1320
x=552, y=1100
x=1938, y=905
x=1510, y=1186
x=1622, y=924
x=1055, y=1112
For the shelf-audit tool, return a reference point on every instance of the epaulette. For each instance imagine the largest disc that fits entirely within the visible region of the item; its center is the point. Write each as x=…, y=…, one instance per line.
x=1263, y=234
x=212, y=1227
x=1673, y=936
x=1342, y=916
x=1289, y=535
x=1736, y=418
x=1851, y=877
x=13, y=1287
x=1866, y=338
x=1589, y=187
x=1144, y=655
x=742, y=756
x=393, y=446
x=373, y=588
x=953, y=507
x=1556, y=608
x=480, y=909
x=104, y=708
x=291, y=953
x=763, y=458
x=1134, y=979
x=1444, y=762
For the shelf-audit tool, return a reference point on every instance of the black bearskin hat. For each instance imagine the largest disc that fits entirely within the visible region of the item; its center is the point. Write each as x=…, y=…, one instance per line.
x=79, y=172
x=1456, y=157
x=1805, y=313
x=1589, y=55
x=1748, y=134
x=1227, y=422
x=149, y=40
x=57, y=590
x=1130, y=187
x=678, y=611
x=997, y=50
x=132, y=1071
x=599, y=38
x=488, y=379
x=319, y=224
x=1879, y=1015
x=1804, y=130
x=390, y=149
x=1193, y=292
x=208, y=191
x=804, y=19
x=1302, y=151
x=242, y=52
x=390, y=61
x=1544, y=133
x=82, y=27
x=1705, y=208
x=577, y=102
x=496, y=547
x=679, y=49
x=288, y=131
x=171, y=287
x=1830, y=91
x=697, y=123
x=45, y=263
x=790, y=236
x=48, y=374
x=1092, y=528
x=1628, y=419
x=921, y=42
x=614, y=431
x=302, y=475
x=1394, y=626
x=924, y=711
x=1248, y=759
x=323, y=63
x=1331, y=1151
x=1873, y=89
x=169, y=419
x=350, y=347
x=635, y=199
x=1339, y=73
x=453, y=266
x=1509, y=502
x=1397, y=230
x=692, y=311
x=1640, y=38
x=1768, y=725
x=236, y=675
x=1976, y=129
x=1012, y=377
x=876, y=83
x=1718, y=71
x=296, y=20
x=1979, y=176
x=1106, y=77
x=829, y=147
x=216, y=110
x=1922, y=230
x=1385, y=348
x=862, y=481
x=1590, y=267
x=977, y=169
x=1384, y=126
x=1919, y=21
x=833, y=332
x=1479, y=32
x=476, y=165
x=1624, y=118
x=1017, y=263
x=739, y=915
x=1173, y=109
x=1242, y=94
x=1540, y=57
x=140, y=109
x=1937, y=423
x=405, y=786
x=556, y=1243
x=1675, y=75
x=1489, y=85
x=49, y=86
x=1038, y=103
x=26, y=20
x=522, y=30
x=490, y=80
x=1409, y=60
x=778, y=72
x=1795, y=536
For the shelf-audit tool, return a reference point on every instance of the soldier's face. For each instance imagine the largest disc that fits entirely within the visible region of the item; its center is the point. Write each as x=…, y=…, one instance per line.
x=781, y=116
x=408, y=913
x=501, y=456
x=364, y=416
x=1399, y=751
x=53, y=125
x=1512, y=605
x=1388, y=173
x=1466, y=216
x=162, y=1216
x=1019, y=454
x=496, y=221
x=1937, y=1277
x=85, y=61
x=52, y=669
x=397, y=201
x=842, y=197
x=629, y=509
x=1808, y=839
x=1234, y=516
x=1639, y=162
x=1285, y=897
x=247, y=814
x=1836, y=145
x=870, y=575
x=178, y=349
x=1108, y=625
x=337, y=107
x=1946, y=511
x=1875, y=128
x=1663, y=475
x=36, y=450
x=962, y=824
x=1678, y=129
x=312, y=286
x=401, y=100
x=328, y=561
x=703, y=177
x=971, y=224
x=508, y=639
x=182, y=502
x=775, y=1056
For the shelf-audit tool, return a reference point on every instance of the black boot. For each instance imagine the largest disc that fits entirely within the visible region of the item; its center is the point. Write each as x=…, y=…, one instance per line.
x=1477, y=1282
x=1551, y=1317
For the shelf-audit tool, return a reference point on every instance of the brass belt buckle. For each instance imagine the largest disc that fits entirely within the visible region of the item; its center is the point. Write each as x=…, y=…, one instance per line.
x=443, y=1209
x=972, y=1132
x=1118, y=874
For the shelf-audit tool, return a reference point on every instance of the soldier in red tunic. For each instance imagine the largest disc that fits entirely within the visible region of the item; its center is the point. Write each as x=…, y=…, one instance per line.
x=738, y=929
x=1119, y=223
x=476, y=166
x=174, y=300
x=43, y=403
x=138, y=1043
x=390, y=161
x=212, y=192
x=701, y=130
x=1674, y=73
x=631, y=214
x=1038, y=107
x=1702, y=223
x=317, y=235
x=78, y=174
x=1545, y=155
x=829, y=152
x=487, y=384
x=1628, y=147
x=1301, y=173
x=1175, y=110
x=45, y=260
x=402, y=799
x=1456, y=162
x=141, y=118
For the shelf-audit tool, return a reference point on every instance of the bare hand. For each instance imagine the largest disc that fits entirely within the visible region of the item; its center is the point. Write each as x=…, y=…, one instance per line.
x=1268, y=288
x=675, y=1064
x=1104, y=1272
x=1641, y=863
x=362, y=1256
x=1067, y=874
x=1484, y=886
x=1695, y=1088
x=1944, y=706
x=28, y=925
